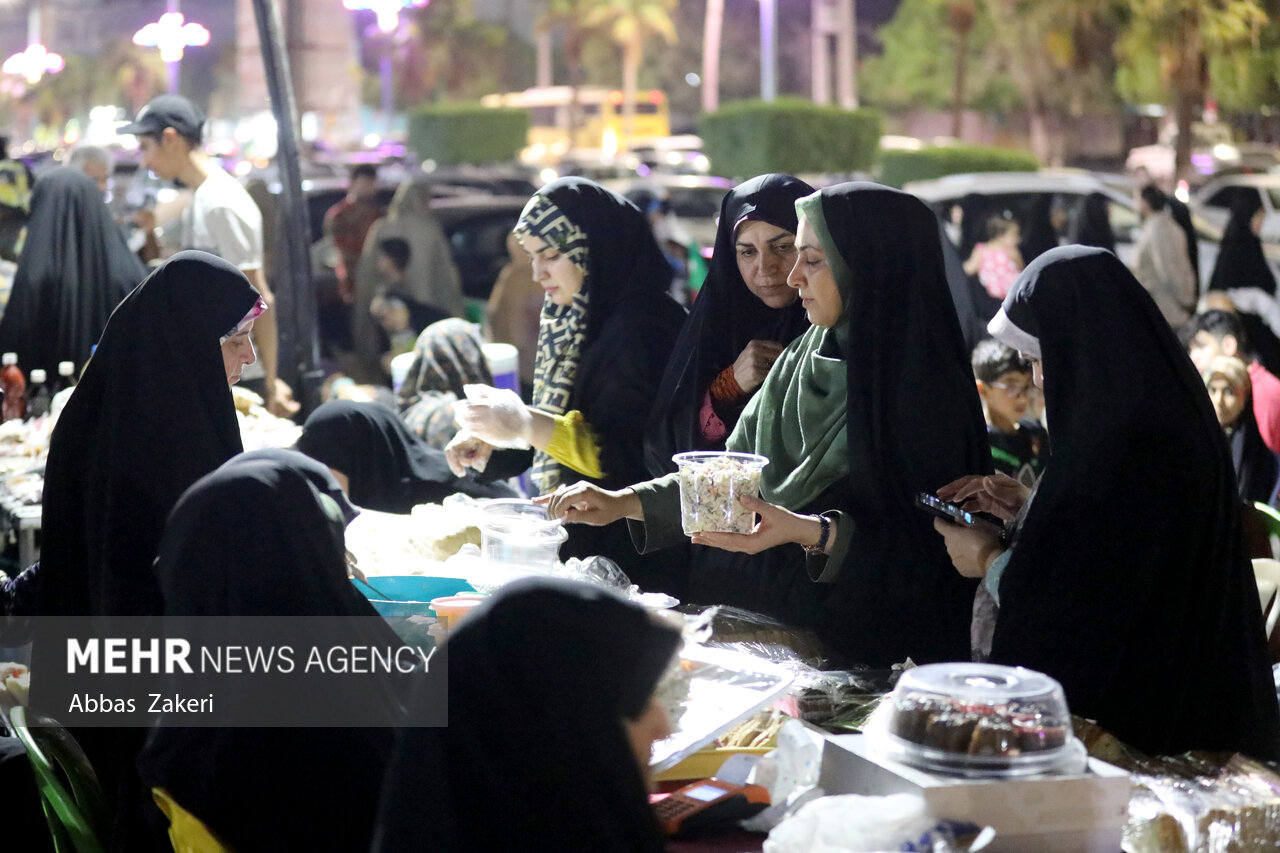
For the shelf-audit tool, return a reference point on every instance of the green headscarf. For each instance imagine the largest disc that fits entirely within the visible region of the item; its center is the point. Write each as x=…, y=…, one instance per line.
x=797, y=418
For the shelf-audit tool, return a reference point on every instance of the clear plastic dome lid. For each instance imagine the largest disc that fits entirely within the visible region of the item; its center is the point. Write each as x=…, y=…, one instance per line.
x=978, y=719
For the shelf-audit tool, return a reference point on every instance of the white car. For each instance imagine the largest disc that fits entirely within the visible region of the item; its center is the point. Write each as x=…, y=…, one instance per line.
x=1212, y=150
x=1213, y=201
x=1016, y=191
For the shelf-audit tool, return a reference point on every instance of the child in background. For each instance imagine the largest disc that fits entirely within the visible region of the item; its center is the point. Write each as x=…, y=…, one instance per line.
x=401, y=318
x=997, y=262
x=1019, y=445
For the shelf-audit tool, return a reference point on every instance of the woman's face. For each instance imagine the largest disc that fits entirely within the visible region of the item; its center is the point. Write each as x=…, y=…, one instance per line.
x=643, y=732
x=765, y=255
x=553, y=270
x=237, y=354
x=1228, y=402
x=812, y=278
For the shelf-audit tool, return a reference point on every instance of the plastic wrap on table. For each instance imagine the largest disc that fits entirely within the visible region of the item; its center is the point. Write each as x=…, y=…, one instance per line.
x=732, y=625
x=1196, y=802
x=597, y=570
x=724, y=688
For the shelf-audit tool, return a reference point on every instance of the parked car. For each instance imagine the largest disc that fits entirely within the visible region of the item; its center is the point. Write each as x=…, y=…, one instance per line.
x=477, y=227
x=1212, y=151
x=1214, y=200
x=693, y=200
x=1016, y=191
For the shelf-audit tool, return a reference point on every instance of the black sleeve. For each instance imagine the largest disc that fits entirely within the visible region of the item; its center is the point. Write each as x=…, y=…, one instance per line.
x=505, y=464
x=618, y=384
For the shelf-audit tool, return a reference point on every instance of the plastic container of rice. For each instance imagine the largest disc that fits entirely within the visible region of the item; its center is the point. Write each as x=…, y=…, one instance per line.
x=711, y=487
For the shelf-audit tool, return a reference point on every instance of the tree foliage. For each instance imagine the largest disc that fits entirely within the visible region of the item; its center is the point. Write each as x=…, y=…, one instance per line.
x=917, y=67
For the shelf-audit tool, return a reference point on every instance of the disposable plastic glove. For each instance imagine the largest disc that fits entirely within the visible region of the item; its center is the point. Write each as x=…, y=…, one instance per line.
x=466, y=451
x=495, y=415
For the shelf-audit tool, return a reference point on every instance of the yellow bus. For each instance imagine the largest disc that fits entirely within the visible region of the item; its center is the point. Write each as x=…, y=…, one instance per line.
x=600, y=121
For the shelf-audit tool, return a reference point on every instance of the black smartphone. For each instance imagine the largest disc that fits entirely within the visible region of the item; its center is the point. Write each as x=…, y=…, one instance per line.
x=956, y=514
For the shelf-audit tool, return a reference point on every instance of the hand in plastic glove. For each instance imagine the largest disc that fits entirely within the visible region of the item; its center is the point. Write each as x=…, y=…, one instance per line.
x=777, y=526
x=495, y=415
x=465, y=451
x=584, y=503
x=972, y=549
x=997, y=494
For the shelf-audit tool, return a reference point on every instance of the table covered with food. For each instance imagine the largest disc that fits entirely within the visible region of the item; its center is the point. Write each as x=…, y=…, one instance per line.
x=985, y=755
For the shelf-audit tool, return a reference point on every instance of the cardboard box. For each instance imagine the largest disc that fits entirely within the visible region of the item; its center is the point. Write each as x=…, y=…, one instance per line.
x=1045, y=814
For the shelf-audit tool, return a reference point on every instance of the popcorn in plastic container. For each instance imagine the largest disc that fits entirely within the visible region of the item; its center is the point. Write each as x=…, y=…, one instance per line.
x=711, y=486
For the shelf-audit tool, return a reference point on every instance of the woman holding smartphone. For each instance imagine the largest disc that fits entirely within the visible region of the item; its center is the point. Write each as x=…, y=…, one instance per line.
x=1127, y=579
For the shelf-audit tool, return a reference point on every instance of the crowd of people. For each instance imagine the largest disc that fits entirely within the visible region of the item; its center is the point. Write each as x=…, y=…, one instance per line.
x=1118, y=430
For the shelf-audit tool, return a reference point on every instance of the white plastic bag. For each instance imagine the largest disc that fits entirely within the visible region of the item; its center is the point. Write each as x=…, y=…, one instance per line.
x=852, y=823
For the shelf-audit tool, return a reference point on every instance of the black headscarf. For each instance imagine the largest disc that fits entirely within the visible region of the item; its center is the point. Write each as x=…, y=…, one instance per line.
x=625, y=266
x=1257, y=467
x=1038, y=233
x=74, y=268
x=914, y=424
x=151, y=415
x=532, y=720
x=1241, y=262
x=632, y=324
x=286, y=558
x=725, y=318
x=974, y=211
x=388, y=468
x=1128, y=581
x=1090, y=224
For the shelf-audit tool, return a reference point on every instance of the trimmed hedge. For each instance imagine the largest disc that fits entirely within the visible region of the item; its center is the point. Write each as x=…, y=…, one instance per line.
x=458, y=133
x=899, y=167
x=789, y=135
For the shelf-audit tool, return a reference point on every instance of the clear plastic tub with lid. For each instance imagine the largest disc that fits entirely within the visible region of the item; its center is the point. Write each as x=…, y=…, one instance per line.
x=711, y=487
x=976, y=719
x=518, y=533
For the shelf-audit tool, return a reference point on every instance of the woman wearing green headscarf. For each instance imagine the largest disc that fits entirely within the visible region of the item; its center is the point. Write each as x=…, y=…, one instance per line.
x=871, y=406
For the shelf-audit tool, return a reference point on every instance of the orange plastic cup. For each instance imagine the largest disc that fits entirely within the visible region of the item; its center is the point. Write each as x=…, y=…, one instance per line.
x=452, y=608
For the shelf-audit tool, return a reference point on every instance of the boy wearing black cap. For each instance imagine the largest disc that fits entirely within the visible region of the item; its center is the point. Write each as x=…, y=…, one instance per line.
x=221, y=219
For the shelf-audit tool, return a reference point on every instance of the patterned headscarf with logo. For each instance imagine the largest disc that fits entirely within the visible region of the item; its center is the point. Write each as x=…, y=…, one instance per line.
x=561, y=328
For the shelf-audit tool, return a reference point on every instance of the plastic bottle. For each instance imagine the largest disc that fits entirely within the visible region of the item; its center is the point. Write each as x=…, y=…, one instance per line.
x=14, y=385
x=66, y=374
x=38, y=395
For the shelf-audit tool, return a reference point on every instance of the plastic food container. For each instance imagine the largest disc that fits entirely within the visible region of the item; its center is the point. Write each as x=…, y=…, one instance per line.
x=975, y=719
x=711, y=484
x=518, y=533
x=451, y=609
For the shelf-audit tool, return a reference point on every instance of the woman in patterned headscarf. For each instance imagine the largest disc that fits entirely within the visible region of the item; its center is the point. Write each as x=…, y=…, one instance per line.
x=606, y=330
x=447, y=356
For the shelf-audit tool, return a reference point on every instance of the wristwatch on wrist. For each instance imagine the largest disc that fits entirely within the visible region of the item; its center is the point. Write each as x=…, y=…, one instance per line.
x=821, y=547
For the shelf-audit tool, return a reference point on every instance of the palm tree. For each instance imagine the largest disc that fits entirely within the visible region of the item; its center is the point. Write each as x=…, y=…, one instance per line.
x=568, y=14
x=631, y=23
x=961, y=15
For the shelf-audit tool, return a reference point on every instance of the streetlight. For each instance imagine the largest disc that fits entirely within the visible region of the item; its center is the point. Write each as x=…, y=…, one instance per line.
x=768, y=49
x=173, y=35
x=388, y=13
x=33, y=63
